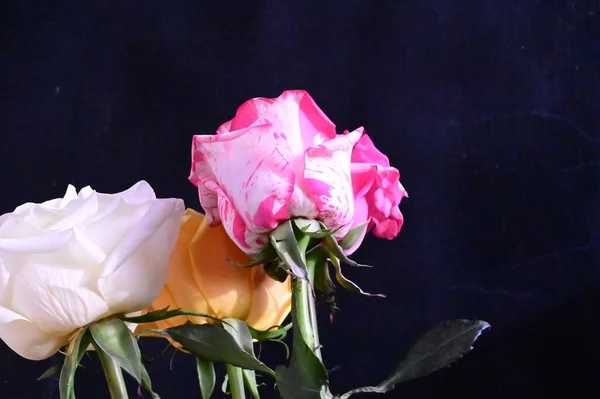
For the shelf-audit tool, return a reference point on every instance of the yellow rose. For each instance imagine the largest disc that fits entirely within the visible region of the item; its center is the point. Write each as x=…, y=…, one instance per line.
x=202, y=280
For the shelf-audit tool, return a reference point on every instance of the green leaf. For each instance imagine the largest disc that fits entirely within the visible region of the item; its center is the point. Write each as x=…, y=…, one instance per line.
x=206, y=377
x=50, y=371
x=76, y=350
x=344, y=282
x=436, y=349
x=353, y=235
x=338, y=252
x=241, y=333
x=266, y=255
x=276, y=270
x=165, y=313
x=213, y=343
x=305, y=377
x=290, y=247
x=114, y=338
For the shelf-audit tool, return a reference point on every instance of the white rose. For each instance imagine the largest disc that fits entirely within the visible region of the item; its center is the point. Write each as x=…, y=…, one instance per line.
x=68, y=262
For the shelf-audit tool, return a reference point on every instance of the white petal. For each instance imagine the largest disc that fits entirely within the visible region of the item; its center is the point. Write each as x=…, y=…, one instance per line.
x=139, y=193
x=85, y=193
x=69, y=196
x=4, y=277
x=58, y=300
x=134, y=273
x=86, y=250
x=79, y=211
x=40, y=244
x=25, y=338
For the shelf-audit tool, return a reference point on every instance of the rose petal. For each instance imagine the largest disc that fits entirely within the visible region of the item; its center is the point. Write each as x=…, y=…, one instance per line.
x=38, y=244
x=375, y=182
x=250, y=112
x=366, y=152
x=226, y=288
x=181, y=278
x=134, y=273
x=245, y=175
x=59, y=300
x=327, y=180
x=272, y=300
x=25, y=338
x=85, y=208
x=139, y=193
x=4, y=278
x=299, y=122
x=361, y=216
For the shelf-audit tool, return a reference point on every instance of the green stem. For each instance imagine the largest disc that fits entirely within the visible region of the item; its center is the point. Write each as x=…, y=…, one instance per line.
x=236, y=382
x=114, y=375
x=305, y=311
x=312, y=307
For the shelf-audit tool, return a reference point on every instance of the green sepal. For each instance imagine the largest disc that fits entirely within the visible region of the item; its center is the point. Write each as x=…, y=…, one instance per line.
x=116, y=340
x=76, y=350
x=250, y=382
x=287, y=348
x=338, y=252
x=322, y=278
x=50, y=371
x=290, y=244
x=276, y=270
x=163, y=314
x=224, y=385
x=206, y=377
x=436, y=349
x=266, y=255
x=353, y=235
x=147, y=384
x=213, y=343
x=344, y=282
x=271, y=334
x=314, y=228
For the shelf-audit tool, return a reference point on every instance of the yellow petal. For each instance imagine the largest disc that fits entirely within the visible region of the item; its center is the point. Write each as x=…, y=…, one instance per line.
x=272, y=301
x=181, y=283
x=227, y=288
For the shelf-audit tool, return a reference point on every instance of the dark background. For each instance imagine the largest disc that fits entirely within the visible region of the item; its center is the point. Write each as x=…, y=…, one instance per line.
x=489, y=109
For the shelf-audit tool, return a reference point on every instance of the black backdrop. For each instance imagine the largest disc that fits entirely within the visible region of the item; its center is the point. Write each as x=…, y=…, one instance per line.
x=489, y=109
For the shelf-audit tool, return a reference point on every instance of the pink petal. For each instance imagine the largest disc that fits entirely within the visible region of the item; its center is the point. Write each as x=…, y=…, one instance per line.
x=378, y=184
x=300, y=122
x=365, y=152
x=361, y=216
x=327, y=180
x=250, y=112
x=244, y=179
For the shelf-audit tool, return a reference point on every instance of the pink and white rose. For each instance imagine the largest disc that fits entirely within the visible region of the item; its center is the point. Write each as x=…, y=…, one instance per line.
x=281, y=158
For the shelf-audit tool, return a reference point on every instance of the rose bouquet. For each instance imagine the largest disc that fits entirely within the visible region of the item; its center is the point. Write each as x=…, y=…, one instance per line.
x=286, y=201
